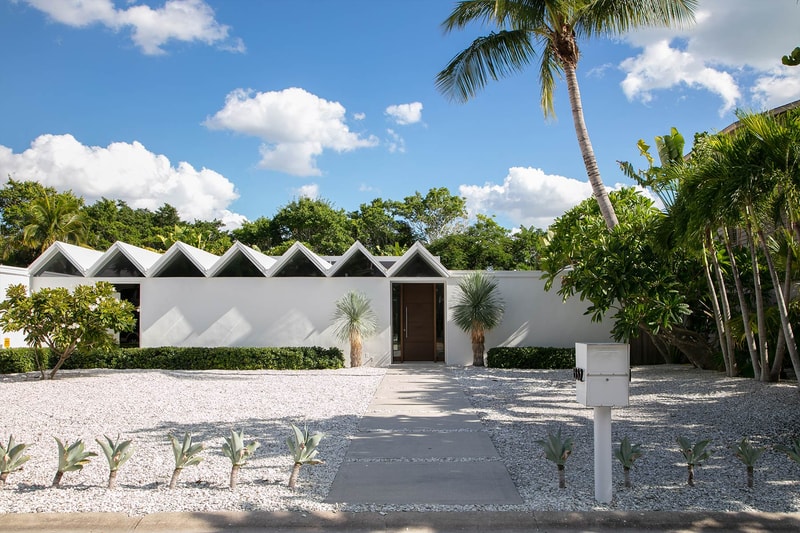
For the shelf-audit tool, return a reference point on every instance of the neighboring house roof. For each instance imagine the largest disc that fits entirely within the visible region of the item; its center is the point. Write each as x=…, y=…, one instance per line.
x=81, y=259
x=775, y=111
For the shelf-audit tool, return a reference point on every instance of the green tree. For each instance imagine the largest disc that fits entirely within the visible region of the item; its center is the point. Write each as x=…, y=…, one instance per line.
x=53, y=217
x=483, y=245
x=553, y=28
x=109, y=221
x=377, y=228
x=256, y=234
x=435, y=215
x=314, y=222
x=15, y=196
x=792, y=59
x=66, y=321
x=478, y=308
x=526, y=248
x=354, y=320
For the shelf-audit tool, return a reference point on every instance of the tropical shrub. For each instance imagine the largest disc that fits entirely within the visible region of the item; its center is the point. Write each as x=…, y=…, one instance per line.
x=627, y=454
x=530, y=357
x=748, y=454
x=694, y=454
x=304, y=450
x=71, y=458
x=116, y=453
x=557, y=449
x=186, y=454
x=11, y=458
x=235, y=450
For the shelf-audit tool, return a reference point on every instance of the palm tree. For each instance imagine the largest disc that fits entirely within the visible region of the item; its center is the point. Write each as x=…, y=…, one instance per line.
x=552, y=28
x=51, y=218
x=354, y=320
x=477, y=310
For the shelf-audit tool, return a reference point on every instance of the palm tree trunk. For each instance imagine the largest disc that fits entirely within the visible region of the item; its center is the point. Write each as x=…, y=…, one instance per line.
x=478, y=347
x=174, y=479
x=763, y=363
x=627, y=472
x=722, y=331
x=744, y=309
x=294, y=474
x=783, y=312
x=356, y=349
x=234, y=476
x=691, y=475
x=726, y=311
x=589, y=160
x=112, y=479
x=57, y=478
x=750, y=477
x=562, y=478
x=780, y=348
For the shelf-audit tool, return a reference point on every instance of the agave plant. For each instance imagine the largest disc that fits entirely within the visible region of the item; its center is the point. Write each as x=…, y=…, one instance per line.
x=116, y=453
x=793, y=450
x=11, y=458
x=627, y=454
x=694, y=454
x=186, y=454
x=748, y=454
x=71, y=458
x=304, y=451
x=235, y=450
x=558, y=450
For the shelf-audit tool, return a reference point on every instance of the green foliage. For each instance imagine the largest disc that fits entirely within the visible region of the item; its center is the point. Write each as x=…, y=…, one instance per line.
x=434, y=215
x=694, y=454
x=315, y=222
x=64, y=320
x=627, y=453
x=256, y=234
x=557, y=449
x=377, y=228
x=116, y=453
x=71, y=458
x=792, y=451
x=238, y=453
x=11, y=458
x=477, y=309
x=792, y=59
x=747, y=453
x=193, y=358
x=303, y=447
x=533, y=357
x=354, y=320
x=186, y=454
x=483, y=245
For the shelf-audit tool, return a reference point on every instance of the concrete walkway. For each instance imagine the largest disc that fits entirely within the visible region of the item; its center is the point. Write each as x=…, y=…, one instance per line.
x=418, y=443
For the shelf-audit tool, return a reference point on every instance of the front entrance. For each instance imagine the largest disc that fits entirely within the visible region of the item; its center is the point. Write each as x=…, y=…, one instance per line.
x=418, y=322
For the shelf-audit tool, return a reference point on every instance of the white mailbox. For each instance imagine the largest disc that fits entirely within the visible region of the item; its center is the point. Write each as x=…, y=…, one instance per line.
x=602, y=374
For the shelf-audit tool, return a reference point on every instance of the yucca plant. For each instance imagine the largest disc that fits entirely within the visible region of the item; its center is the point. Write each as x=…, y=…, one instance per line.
x=186, y=454
x=116, y=453
x=627, y=454
x=354, y=321
x=694, y=454
x=11, y=458
x=557, y=449
x=748, y=454
x=71, y=458
x=478, y=308
x=235, y=450
x=792, y=451
x=304, y=450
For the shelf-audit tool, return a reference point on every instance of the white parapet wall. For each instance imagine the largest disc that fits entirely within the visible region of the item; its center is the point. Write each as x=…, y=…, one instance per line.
x=12, y=276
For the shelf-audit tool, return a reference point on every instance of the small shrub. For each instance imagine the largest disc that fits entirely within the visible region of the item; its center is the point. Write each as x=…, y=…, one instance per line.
x=17, y=360
x=627, y=454
x=304, y=450
x=748, y=454
x=531, y=357
x=235, y=450
x=70, y=459
x=11, y=458
x=792, y=451
x=694, y=454
x=116, y=453
x=186, y=454
x=557, y=449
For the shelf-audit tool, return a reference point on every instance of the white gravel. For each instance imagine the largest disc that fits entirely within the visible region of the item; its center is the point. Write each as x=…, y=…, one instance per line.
x=517, y=408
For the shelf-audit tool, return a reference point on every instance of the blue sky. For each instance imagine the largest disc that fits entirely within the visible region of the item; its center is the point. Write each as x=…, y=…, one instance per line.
x=230, y=109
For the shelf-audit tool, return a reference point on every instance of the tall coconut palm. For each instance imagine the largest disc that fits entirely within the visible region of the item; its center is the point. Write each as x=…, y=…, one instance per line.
x=551, y=28
x=477, y=309
x=51, y=218
x=354, y=320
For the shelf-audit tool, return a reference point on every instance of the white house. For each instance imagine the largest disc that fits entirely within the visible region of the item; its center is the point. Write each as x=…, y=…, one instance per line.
x=189, y=297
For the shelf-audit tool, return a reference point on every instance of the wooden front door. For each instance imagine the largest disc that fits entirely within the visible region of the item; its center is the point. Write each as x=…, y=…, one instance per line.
x=418, y=321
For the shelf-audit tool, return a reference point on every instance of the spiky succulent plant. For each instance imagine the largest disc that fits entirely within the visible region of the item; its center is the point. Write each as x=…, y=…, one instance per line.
x=792, y=451
x=627, y=454
x=186, y=454
x=748, y=454
x=11, y=458
x=557, y=449
x=694, y=454
x=303, y=447
x=116, y=453
x=71, y=458
x=235, y=450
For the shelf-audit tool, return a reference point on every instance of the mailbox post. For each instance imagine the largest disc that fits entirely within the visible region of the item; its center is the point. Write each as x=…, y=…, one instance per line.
x=602, y=378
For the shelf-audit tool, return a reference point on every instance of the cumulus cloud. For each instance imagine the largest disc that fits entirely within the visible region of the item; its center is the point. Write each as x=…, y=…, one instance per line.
x=359, y=116
x=733, y=50
x=124, y=171
x=527, y=196
x=395, y=143
x=310, y=191
x=405, y=114
x=151, y=29
x=295, y=125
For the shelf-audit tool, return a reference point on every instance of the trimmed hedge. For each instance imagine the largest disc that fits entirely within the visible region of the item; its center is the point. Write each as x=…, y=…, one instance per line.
x=533, y=357
x=14, y=360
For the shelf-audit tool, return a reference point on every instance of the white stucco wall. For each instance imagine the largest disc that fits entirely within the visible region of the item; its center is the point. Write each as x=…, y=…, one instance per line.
x=533, y=317
x=12, y=276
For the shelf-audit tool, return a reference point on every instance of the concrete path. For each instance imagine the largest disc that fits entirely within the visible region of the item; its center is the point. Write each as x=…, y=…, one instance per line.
x=418, y=443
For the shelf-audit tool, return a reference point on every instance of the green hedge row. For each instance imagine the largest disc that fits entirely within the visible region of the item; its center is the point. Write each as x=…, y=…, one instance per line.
x=171, y=358
x=531, y=357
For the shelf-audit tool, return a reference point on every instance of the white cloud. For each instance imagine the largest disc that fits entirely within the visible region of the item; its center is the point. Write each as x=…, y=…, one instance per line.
x=733, y=49
x=527, y=196
x=359, y=116
x=662, y=67
x=123, y=171
x=404, y=114
x=179, y=20
x=295, y=125
x=310, y=191
x=395, y=142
